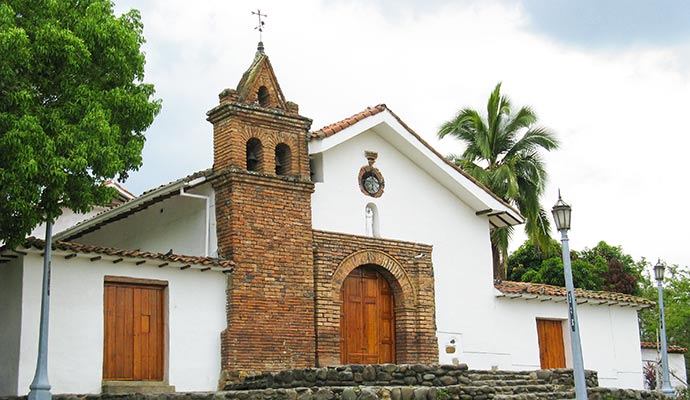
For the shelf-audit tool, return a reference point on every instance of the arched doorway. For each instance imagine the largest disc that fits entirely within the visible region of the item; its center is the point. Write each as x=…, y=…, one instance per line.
x=367, y=318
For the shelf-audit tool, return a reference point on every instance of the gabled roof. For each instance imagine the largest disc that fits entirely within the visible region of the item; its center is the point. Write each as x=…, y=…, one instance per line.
x=540, y=291
x=655, y=346
x=123, y=195
x=96, y=253
x=498, y=211
x=332, y=129
x=147, y=199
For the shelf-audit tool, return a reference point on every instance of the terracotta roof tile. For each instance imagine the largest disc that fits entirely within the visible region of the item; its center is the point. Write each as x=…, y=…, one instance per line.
x=533, y=290
x=671, y=348
x=332, y=129
x=39, y=244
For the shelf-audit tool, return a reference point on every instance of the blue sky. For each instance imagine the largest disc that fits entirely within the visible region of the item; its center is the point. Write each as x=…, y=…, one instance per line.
x=611, y=23
x=611, y=78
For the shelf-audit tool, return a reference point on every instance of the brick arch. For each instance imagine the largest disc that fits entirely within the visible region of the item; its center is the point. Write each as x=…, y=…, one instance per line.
x=395, y=273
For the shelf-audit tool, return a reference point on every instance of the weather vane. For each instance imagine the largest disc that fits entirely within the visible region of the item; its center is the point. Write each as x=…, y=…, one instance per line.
x=260, y=27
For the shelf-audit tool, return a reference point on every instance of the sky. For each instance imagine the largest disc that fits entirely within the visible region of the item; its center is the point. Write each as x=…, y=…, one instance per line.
x=610, y=78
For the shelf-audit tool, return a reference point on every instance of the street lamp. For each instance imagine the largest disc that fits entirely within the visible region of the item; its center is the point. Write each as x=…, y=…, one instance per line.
x=40, y=387
x=561, y=215
x=666, y=382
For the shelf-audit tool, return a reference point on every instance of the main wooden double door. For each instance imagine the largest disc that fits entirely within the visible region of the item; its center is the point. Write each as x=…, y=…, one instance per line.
x=133, y=345
x=367, y=318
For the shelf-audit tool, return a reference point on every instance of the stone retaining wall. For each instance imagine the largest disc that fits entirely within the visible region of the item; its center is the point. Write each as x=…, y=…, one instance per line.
x=360, y=393
x=398, y=375
x=395, y=382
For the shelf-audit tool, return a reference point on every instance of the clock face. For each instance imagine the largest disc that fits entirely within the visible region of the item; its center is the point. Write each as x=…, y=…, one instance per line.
x=371, y=183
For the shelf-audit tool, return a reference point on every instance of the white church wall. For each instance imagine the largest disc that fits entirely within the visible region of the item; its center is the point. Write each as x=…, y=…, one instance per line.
x=10, y=324
x=177, y=223
x=415, y=207
x=676, y=365
x=609, y=336
x=195, y=318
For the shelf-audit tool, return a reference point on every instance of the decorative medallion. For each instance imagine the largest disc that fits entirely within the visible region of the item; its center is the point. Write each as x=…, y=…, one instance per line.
x=370, y=179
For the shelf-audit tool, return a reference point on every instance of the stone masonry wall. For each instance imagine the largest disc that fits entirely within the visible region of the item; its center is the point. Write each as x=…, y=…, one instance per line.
x=382, y=382
x=429, y=375
x=408, y=269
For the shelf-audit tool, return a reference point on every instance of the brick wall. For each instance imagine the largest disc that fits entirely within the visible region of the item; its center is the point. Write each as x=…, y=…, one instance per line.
x=408, y=269
x=264, y=225
x=235, y=123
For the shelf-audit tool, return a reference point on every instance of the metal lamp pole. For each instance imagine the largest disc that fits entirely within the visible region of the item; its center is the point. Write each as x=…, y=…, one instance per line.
x=40, y=387
x=561, y=214
x=666, y=382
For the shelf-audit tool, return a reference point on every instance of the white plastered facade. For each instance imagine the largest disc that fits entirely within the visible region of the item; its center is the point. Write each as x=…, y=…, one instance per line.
x=195, y=309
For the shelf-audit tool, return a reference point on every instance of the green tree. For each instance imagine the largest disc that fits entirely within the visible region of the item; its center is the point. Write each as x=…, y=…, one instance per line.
x=503, y=153
x=677, y=312
x=529, y=257
x=585, y=275
x=73, y=107
x=622, y=274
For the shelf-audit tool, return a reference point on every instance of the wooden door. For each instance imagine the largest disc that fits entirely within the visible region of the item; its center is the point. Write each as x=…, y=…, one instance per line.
x=134, y=330
x=367, y=322
x=551, y=348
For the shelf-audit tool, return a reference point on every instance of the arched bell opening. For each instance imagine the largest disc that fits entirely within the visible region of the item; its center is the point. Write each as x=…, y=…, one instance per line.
x=255, y=155
x=263, y=96
x=283, y=159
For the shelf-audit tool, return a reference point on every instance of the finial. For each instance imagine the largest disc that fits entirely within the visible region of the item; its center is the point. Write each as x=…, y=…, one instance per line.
x=260, y=48
x=559, y=189
x=260, y=28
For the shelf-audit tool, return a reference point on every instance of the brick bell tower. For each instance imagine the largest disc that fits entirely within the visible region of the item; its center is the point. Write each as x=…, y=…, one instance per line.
x=263, y=215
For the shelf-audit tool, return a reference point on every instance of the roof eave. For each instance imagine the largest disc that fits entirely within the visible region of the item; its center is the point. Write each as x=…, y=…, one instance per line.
x=153, y=196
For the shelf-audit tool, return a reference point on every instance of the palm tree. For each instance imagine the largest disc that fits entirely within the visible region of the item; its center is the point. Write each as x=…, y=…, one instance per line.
x=503, y=153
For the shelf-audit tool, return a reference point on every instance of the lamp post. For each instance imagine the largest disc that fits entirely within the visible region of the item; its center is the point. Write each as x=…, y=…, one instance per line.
x=40, y=387
x=665, y=381
x=561, y=214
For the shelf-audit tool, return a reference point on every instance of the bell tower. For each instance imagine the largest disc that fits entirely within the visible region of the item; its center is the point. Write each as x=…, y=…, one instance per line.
x=263, y=216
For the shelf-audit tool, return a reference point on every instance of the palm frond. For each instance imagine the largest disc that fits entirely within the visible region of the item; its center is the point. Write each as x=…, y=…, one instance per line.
x=524, y=118
x=533, y=139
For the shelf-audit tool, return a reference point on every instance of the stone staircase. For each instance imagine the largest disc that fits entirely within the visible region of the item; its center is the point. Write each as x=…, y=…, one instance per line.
x=420, y=382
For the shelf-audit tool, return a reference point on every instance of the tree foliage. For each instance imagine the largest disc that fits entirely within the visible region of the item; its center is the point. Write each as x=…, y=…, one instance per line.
x=676, y=308
x=503, y=153
x=603, y=267
x=73, y=107
x=622, y=274
x=529, y=257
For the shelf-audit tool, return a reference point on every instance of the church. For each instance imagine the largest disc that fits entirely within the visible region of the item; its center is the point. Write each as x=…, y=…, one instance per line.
x=357, y=243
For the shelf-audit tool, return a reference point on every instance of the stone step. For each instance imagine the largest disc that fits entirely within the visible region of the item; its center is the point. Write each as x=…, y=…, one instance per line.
x=559, y=395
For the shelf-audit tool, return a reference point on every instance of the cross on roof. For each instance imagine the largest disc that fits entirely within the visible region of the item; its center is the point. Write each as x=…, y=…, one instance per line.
x=260, y=27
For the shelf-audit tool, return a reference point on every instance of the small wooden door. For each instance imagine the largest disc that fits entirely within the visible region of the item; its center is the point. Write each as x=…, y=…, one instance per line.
x=551, y=348
x=367, y=322
x=134, y=330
